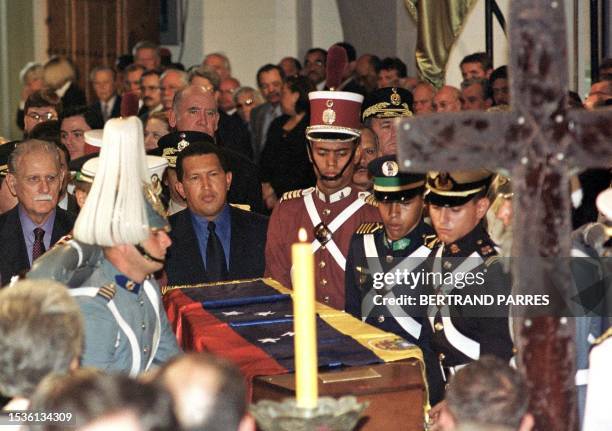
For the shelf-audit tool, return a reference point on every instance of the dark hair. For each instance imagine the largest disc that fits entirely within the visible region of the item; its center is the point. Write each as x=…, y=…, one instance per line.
x=46, y=131
x=488, y=391
x=500, y=73
x=133, y=67
x=374, y=61
x=574, y=101
x=149, y=73
x=394, y=63
x=199, y=148
x=42, y=98
x=91, y=395
x=351, y=54
x=295, y=61
x=487, y=90
x=82, y=111
x=303, y=86
x=123, y=61
x=478, y=57
x=97, y=69
x=319, y=50
x=267, y=68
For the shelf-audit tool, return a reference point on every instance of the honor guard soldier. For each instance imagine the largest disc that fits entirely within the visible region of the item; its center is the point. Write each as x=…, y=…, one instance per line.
x=120, y=240
x=463, y=329
x=398, y=243
x=331, y=211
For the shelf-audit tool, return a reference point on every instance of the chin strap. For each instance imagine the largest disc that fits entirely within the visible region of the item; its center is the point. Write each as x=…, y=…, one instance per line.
x=337, y=176
x=147, y=256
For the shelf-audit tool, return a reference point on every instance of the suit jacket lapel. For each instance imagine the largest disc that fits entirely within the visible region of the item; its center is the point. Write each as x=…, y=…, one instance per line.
x=185, y=247
x=12, y=236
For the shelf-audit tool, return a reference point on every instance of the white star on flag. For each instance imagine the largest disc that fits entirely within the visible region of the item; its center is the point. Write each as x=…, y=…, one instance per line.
x=268, y=340
x=288, y=334
x=265, y=313
x=232, y=313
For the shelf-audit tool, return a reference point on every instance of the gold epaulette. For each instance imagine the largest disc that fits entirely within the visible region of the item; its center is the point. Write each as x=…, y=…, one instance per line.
x=603, y=337
x=430, y=241
x=294, y=194
x=365, y=228
x=243, y=207
x=371, y=200
x=108, y=291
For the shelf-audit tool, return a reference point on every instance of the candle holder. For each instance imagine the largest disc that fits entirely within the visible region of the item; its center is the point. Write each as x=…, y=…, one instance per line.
x=331, y=414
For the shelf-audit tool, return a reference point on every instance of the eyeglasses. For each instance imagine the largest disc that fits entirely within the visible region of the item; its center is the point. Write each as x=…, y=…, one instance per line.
x=45, y=116
x=246, y=103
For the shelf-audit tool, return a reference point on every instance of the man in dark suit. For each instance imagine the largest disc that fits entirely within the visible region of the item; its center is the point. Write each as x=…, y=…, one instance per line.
x=195, y=110
x=270, y=81
x=36, y=223
x=108, y=104
x=211, y=240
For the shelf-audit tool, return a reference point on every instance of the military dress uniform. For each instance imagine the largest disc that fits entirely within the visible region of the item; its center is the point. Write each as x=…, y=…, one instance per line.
x=131, y=328
x=330, y=222
x=126, y=327
x=462, y=333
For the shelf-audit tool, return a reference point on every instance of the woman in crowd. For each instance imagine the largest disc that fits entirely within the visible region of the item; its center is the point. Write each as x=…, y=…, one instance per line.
x=285, y=165
x=156, y=126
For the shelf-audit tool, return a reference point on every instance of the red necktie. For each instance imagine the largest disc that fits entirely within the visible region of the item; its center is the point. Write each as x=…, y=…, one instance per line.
x=39, y=246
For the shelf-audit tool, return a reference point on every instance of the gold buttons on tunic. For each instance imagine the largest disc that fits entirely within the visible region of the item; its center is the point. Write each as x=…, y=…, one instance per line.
x=322, y=264
x=441, y=357
x=326, y=212
x=381, y=319
x=323, y=282
x=438, y=326
x=326, y=299
x=389, y=258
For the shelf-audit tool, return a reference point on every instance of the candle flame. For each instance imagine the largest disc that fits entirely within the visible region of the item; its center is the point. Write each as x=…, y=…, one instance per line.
x=302, y=236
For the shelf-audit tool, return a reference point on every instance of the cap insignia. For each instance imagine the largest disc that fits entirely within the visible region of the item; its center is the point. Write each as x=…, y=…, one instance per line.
x=395, y=98
x=182, y=144
x=154, y=200
x=390, y=168
x=329, y=115
x=443, y=182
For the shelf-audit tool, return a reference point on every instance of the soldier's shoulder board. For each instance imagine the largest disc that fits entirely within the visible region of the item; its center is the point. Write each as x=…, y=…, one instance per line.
x=108, y=291
x=366, y=228
x=368, y=198
x=492, y=260
x=294, y=194
x=430, y=241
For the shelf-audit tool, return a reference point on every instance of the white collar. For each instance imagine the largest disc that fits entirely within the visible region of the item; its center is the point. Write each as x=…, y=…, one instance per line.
x=231, y=111
x=321, y=85
x=334, y=197
x=110, y=102
x=62, y=90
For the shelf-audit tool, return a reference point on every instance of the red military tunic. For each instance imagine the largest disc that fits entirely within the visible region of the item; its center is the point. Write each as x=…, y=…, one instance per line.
x=342, y=212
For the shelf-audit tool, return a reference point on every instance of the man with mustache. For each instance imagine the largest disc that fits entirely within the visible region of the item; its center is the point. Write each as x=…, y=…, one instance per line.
x=331, y=211
x=36, y=223
x=270, y=81
x=368, y=143
x=209, y=238
x=120, y=241
x=150, y=90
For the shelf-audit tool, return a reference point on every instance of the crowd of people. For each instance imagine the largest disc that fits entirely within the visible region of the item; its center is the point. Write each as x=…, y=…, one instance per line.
x=231, y=174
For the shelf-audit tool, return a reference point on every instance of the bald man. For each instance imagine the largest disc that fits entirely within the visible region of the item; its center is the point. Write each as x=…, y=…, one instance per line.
x=447, y=99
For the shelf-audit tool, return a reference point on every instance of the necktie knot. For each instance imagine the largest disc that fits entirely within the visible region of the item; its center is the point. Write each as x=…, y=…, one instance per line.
x=39, y=234
x=211, y=226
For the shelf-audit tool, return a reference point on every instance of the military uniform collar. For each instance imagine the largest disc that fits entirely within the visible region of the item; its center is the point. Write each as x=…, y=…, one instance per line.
x=477, y=240
x=118, y=278
x=415, y=236
x=334, y=197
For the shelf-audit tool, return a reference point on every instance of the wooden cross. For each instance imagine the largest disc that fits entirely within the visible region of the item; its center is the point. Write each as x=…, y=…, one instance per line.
x=537, y=141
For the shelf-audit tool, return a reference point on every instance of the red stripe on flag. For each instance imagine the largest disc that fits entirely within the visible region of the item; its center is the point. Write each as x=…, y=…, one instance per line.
x=198, y=330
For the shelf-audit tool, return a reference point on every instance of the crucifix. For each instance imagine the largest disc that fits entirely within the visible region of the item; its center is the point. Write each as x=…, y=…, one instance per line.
x=538, y=141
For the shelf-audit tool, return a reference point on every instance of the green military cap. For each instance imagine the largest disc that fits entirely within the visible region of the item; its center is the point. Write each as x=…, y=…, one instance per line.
x=456, y=188
x=391, y=185
x=389, y=102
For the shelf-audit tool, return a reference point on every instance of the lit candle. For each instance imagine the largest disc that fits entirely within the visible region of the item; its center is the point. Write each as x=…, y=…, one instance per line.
x=304, y=323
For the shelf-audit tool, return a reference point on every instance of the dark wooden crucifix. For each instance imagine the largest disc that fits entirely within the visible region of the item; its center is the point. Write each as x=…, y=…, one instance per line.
x=538, y=141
